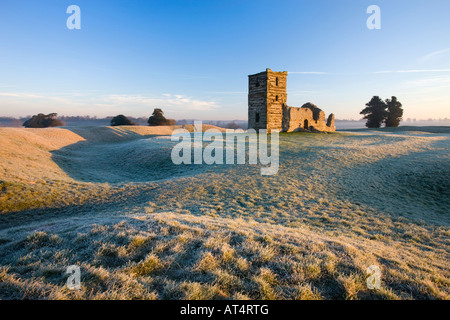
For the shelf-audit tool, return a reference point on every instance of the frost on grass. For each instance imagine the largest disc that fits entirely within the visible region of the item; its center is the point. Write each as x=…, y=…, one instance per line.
x=140, y=228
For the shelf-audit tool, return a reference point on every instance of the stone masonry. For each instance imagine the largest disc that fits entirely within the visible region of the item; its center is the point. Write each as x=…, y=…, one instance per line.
x=267, y=108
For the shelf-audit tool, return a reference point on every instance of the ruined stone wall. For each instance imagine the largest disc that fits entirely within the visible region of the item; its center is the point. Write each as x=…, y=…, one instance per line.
x=330, y=123
x=294, y=120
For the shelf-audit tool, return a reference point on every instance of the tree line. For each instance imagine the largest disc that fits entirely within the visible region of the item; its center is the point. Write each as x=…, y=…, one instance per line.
x=51, y=120
x=376, y=112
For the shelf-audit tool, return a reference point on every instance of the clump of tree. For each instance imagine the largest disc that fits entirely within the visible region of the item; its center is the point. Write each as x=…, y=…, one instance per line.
x=158, y=119
x=121, y=120
x=43, y=121
x=374, y=112
x=377, y=111
x=394, y=112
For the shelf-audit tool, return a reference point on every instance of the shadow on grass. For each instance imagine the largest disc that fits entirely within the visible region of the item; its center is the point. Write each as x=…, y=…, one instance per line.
x=118, y=155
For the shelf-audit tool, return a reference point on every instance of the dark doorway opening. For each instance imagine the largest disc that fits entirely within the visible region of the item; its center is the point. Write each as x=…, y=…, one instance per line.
x=306, y=125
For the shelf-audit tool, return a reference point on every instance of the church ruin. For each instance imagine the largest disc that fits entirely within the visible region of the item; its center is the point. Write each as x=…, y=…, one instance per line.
x=267, y=108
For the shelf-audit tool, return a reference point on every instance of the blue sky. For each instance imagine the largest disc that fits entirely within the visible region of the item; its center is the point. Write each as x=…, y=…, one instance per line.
x=192, y=58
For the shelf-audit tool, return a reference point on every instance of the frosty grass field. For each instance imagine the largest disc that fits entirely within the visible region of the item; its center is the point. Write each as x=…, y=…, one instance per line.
x=110, y=201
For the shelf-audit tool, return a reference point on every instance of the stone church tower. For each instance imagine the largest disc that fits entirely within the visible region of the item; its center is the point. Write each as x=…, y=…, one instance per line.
x=266, y=97
x=267, y=108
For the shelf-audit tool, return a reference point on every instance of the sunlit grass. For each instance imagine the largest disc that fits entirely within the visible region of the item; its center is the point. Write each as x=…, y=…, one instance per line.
x=340, y=203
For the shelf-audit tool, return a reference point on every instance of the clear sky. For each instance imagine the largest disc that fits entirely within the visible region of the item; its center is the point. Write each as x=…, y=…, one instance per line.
x=192, y=58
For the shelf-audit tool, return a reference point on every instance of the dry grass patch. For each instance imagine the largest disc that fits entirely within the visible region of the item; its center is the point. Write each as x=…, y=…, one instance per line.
x=306, y=292
x=150, y=265
x=207, y=263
